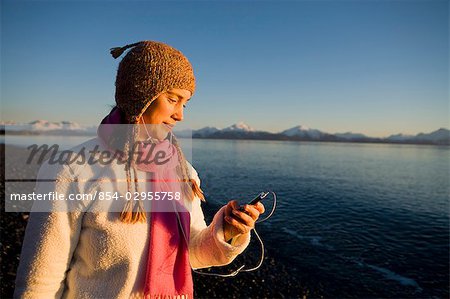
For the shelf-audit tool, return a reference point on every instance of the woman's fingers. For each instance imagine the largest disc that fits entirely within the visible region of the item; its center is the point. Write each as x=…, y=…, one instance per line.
x=241, y=228
x=260, y=207
x=244, y=218
x=229, y=207
x=253, y=210
x=234, y=204
x=240, y=221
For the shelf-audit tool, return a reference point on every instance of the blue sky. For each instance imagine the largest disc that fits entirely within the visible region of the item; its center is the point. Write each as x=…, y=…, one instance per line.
x=372, y=67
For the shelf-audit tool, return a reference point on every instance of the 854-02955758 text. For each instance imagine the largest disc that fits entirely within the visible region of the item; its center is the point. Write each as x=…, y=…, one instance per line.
x=97, y=195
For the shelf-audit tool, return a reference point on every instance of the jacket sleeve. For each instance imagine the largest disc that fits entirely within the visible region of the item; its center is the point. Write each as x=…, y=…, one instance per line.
x=207, y=246
x=50, y=240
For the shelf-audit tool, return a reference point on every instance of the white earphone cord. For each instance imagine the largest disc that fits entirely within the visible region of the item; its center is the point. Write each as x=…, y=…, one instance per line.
x=240, y=269
x=150, y=137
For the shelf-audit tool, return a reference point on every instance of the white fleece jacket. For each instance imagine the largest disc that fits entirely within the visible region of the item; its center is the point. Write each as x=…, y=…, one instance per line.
x=91, y=254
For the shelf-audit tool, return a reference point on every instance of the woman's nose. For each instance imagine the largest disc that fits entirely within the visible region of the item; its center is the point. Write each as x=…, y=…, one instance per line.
x=178, y=115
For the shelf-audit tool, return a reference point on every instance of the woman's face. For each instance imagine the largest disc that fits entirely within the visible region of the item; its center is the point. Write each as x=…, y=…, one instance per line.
x=165, y=111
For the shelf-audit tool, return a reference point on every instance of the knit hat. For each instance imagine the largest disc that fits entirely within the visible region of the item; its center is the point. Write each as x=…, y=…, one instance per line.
x=146, y=71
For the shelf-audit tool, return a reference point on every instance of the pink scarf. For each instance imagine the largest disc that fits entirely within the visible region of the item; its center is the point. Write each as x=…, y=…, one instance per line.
x=168, y=273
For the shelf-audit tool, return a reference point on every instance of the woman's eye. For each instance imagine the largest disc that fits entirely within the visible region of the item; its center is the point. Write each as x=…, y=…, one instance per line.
x=172, y=100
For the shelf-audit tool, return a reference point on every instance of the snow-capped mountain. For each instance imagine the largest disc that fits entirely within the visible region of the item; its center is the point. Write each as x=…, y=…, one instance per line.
x=239, y=130
x=441, y=136
x=436, y=136
x=239, y=127
x=303, y=131
x=44, y=126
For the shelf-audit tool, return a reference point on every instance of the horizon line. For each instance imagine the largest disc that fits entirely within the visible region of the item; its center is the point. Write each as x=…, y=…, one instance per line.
x=9, y=122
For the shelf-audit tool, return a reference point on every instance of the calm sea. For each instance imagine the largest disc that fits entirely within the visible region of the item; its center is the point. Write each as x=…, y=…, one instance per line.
x=360, y=220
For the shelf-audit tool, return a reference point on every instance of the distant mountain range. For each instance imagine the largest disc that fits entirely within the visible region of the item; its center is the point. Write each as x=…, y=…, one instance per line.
x=43, y=127
x=236, y=131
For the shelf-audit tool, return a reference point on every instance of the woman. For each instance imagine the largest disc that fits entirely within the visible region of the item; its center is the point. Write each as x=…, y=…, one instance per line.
x=132, y=249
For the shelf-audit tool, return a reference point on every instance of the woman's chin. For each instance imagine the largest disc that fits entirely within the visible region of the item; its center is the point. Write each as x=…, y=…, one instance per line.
x=163, y=132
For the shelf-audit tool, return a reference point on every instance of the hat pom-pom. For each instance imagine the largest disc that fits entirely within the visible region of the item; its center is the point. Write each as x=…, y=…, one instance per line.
x=116, y=52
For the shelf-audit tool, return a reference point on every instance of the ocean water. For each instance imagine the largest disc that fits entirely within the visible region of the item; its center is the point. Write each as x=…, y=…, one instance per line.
x=356, y=220
x=353, y=220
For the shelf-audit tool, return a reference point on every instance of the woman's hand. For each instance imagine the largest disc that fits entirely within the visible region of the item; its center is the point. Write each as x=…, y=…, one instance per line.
x=240, y=222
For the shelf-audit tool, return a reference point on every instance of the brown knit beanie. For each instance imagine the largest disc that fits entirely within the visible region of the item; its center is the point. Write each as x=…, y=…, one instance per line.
x=146, y=71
